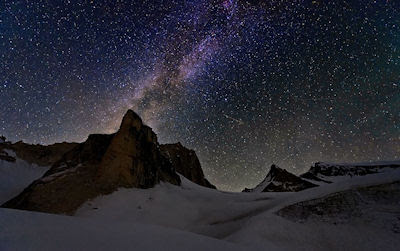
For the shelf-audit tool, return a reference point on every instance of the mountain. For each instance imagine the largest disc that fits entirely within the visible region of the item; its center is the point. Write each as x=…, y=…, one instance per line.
x=38, y=154
x=351, y=206
x=185, y=162
x=132, y=157
x=350, y=213
x=322, y=170
x=280, y=180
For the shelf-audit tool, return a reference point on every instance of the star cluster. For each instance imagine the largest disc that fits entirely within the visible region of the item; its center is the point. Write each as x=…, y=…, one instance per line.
x=244, y=83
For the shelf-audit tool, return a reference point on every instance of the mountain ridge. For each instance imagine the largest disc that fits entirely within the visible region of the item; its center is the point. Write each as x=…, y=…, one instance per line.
x=280, y=180
x=131, y=157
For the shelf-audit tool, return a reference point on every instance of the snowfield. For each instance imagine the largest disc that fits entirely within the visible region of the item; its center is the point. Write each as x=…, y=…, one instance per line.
x=23, y=230
x=192, y=217
x=15, y=176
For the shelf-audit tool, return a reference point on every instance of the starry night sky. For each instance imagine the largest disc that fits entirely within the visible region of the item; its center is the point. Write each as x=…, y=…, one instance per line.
x=244, y=83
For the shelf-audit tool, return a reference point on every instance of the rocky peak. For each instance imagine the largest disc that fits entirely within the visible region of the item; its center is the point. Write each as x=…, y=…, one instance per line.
x=275, y=171
x=277, y=174
x=186, y=163
x=280, y=180
x=103, y=163
x=133, y=158
x=131, y=120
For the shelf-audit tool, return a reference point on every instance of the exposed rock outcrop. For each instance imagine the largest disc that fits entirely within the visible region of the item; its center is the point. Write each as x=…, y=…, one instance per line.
x=6, y=157
x=134, y=159
x=280, y=180
x=185, y=162
x=39, y=154
x=103, y=163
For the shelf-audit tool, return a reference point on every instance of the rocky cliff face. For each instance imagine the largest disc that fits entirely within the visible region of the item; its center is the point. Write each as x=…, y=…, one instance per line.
x=186, y=163
x=134, y=159
x=38, y=154
x=103, y=163
x=280, y=180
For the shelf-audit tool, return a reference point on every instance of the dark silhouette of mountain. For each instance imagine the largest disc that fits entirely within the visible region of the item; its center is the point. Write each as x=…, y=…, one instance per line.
x=321, y=169
x=132, y=157
x=280, y=180
x=38, y=154
x=186, y=163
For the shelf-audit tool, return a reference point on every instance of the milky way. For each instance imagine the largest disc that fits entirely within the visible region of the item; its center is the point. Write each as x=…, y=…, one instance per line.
x=244, y=83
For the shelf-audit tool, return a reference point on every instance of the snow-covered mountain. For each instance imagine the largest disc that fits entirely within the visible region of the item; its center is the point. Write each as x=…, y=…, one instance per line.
x=169, y=207
x=280, y=180
x=322, y=170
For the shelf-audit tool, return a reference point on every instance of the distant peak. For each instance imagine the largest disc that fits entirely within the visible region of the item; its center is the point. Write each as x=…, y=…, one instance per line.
x=280, y=180
x=274, y=169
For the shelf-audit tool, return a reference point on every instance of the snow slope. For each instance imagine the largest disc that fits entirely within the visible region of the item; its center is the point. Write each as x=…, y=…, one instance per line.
x=248, y=219
x=23, y=230
x=192, y=217
x=15, y=176
x=190, y=207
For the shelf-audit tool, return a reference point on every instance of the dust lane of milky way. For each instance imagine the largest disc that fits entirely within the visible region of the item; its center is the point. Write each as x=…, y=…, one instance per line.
x=244, y=83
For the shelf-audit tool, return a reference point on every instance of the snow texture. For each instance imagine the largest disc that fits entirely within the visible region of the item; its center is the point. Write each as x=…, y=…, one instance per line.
x=22, y=230
x=191, y=217
x=15, y=176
